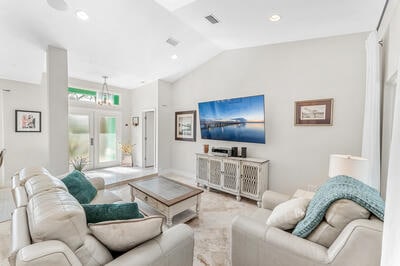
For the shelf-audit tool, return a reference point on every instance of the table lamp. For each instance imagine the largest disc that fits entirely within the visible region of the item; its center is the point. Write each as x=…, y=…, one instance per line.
x=356, y=167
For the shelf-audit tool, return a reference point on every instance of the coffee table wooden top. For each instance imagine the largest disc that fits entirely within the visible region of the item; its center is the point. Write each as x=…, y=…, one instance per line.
x=165, y=190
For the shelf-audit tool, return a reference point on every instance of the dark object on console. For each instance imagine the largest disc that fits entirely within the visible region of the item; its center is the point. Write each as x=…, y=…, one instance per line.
x=234, y=151
x=225, y=152
x=244, y=152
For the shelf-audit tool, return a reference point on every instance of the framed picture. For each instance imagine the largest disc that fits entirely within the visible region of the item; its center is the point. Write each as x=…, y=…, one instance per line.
x=314, y=113
x=28, y=121
x=185, y=126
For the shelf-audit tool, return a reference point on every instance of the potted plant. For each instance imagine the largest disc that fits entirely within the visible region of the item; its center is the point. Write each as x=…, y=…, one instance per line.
x=80, y=163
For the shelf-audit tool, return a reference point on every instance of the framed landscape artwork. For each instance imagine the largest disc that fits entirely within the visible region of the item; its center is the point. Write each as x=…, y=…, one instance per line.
x=185, y=126
x=28, y=121
x=314, y=113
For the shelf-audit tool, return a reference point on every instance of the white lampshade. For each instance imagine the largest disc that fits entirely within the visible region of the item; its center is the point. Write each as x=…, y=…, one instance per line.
x=356, y=167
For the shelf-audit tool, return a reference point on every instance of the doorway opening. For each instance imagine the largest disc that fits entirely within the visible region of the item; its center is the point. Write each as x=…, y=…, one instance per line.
x=149, y=138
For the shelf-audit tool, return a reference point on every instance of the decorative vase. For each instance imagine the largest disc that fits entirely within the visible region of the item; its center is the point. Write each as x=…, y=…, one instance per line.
x=126, y=160
x=205, y=148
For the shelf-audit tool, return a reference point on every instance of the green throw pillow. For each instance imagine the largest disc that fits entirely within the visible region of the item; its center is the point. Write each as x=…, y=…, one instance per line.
x=79, y=187
x=108, y=212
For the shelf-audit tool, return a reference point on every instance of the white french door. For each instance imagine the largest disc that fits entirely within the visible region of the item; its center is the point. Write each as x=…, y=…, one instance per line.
x=94, y=135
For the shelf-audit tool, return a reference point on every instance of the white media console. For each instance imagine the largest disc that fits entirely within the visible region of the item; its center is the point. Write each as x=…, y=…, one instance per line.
x=243, y=177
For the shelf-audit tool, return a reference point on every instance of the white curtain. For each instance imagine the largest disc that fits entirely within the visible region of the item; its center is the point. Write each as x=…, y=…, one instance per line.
x=372, y=112
x=391, y=232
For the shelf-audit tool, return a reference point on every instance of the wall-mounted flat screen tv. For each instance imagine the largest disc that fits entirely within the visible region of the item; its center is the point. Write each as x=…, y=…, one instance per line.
x=238, y=119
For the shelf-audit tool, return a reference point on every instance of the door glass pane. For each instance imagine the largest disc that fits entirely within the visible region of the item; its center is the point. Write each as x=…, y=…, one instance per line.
x=79, y=138
x=108, y=139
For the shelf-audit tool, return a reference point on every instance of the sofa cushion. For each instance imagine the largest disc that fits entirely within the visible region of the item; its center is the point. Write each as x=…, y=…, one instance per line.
x=324, y=234
x=343, y=211
x=29, y=172
x=105, y=197
x=123, y=235
x=80, y=187
x=40, y=183
x=286, y=215
x=337, y=217
x=57, y=215
x=96, y=213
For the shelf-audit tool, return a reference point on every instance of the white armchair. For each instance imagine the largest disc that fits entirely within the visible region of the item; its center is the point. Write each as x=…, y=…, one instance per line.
x=254, y=243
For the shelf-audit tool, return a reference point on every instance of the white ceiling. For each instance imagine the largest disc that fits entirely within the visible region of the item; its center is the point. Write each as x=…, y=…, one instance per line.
x=125, y=39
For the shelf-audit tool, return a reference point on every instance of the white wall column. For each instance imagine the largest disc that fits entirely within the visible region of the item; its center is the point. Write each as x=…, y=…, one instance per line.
x=57, y=89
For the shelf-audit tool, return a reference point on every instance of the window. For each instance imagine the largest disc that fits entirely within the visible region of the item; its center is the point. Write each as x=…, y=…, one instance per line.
x=88, y=96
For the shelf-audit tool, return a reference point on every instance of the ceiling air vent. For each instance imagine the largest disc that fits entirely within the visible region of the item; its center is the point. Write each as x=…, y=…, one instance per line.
x=172, y=41
x=212, y=19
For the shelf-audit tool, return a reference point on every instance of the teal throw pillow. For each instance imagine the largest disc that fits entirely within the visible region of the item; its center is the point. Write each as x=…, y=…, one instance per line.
x=108, y=212
x=79, y=187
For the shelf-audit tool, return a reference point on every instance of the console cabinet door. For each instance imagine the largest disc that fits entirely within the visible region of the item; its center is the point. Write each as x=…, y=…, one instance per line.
x=231, y=175
x=202, y=170
x=250, y=180
x=215, y=173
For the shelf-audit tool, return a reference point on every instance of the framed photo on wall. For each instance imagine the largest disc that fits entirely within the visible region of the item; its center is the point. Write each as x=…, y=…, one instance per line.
x=314, y=112
x=185, y=126
x=28, y=121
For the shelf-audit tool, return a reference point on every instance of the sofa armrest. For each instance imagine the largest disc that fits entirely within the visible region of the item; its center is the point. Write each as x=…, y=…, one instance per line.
x=47, y=253
x=20, y=236
x=348, y=243
x=297, y=246
x=20, y=197
x=247, y=240
x=174, y=247
x=271, y=199
x=97, y=182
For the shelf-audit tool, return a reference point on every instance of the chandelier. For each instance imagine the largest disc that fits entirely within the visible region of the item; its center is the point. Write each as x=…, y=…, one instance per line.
x=105, y=95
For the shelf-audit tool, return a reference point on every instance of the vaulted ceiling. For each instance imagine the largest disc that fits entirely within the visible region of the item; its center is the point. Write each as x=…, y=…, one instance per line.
x=126, y=39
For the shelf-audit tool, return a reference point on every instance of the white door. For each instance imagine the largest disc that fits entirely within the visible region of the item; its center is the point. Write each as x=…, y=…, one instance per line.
x=149, y=139
x=94, y=135
x=108, y=137
x=81, y=136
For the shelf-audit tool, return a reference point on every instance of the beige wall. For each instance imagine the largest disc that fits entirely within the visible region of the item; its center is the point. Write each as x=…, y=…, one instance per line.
x=24, y=149
x=284, y=73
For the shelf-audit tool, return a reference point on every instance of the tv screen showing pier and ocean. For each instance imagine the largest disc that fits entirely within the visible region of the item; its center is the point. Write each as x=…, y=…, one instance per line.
x=237, y=119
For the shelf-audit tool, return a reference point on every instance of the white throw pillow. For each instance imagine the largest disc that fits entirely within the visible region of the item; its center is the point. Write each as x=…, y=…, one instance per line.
x=123, y=235
x=286, y=215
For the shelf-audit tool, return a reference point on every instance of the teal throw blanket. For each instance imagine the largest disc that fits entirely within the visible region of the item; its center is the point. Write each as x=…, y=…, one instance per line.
x=339, y=187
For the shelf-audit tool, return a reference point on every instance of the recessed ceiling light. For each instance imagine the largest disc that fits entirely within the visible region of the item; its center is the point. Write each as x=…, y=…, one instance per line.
x=82, y=15
x=275, y=18
x=174, y=57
